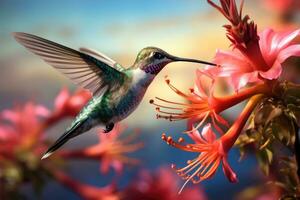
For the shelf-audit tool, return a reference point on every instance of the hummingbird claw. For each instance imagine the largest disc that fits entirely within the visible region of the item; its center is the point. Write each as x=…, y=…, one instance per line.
x=109, y=127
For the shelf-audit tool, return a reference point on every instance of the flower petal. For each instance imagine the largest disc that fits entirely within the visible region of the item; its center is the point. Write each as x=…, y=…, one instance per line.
x=195, y=136
x=273, y=73
x=265, y=41
x=293, y=50
x=208, y=134
x=241, y=80
x=61, y=99
x=199, y=83
x=42, y=111
x=286, y=38
x=230, y=174
x=271, y=43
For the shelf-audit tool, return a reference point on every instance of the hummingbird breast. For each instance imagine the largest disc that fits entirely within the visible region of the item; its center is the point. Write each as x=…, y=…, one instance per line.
x=119, y=101
x=128, y=103
x=131, y=95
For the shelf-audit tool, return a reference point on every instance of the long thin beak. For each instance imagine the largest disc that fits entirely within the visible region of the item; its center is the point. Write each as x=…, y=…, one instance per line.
x=178, y=59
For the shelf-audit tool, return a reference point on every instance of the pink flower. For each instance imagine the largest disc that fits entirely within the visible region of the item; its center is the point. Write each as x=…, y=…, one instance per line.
x=213, y=151
x=67, y=105
x=24, y=126
x=110, y=150
x=255, y=58
x=275, y=48
x=160, y=185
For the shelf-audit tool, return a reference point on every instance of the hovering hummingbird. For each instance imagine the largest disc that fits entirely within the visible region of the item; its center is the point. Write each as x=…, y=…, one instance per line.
x=117, y=91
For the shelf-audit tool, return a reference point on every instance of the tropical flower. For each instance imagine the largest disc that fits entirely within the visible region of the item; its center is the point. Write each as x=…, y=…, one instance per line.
x=212, y=151
x=160, y=185
x=21, y=144
x=255, y=57
x=275, y=48
x=67, y=105
x=110, y=150
x=23, y=128
x=201, y=104
x=22, y=141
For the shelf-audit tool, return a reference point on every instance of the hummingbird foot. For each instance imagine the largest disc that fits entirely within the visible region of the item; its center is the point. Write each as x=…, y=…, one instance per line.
x=109, y=127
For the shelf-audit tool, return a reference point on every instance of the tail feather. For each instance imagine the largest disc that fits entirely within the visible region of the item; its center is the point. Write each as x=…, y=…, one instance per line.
x=72, y=132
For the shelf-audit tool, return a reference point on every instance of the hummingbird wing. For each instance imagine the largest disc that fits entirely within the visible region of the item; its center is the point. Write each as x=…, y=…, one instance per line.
x=102, y=57
x=83, y=69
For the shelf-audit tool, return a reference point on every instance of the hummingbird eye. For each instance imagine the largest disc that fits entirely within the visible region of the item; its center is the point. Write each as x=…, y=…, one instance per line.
x=157, y=55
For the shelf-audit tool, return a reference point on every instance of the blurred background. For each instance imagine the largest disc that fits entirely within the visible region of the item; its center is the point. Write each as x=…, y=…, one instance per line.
x=189, y=28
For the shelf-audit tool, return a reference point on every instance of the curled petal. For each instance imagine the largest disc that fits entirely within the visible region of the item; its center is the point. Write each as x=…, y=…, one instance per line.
x=293, y=50
x=287, y=38
x=272, y=43
x=230, y=174
x=272, y=73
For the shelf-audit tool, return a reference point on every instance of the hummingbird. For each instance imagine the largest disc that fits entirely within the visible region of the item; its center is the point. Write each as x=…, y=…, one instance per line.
x=117, y=91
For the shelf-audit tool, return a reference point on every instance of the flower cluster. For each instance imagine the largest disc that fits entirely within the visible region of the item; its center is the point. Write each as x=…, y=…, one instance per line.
x=23, y=140
x=253, y=68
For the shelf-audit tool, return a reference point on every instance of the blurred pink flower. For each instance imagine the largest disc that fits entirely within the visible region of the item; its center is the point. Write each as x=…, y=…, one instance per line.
x=67, y=105
x=110, y=150
x=86, y=192
x=24, y=127
x=161, y=185
x=275, y=47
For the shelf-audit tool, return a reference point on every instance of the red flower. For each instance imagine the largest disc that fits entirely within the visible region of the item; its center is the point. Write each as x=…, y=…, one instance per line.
x=161, y=185
x=86, y=192
x=201, y=104
x=110, y=150
x=67, y=105
x=212, y=151
x=24, y=127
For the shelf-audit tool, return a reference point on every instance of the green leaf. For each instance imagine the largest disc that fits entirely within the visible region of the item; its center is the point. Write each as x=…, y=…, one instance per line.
x=264, y=158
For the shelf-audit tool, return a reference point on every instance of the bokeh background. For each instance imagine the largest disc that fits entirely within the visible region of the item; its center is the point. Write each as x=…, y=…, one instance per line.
x=187, y=28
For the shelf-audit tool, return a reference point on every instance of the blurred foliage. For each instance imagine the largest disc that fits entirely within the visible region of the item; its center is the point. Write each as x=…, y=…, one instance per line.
x=271, y=134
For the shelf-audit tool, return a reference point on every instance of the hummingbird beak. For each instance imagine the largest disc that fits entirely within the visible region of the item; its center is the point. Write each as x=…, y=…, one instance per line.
x=178, y=59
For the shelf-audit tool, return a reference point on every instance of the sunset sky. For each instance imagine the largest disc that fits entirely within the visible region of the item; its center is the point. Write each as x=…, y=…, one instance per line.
x=187, y=28
x=184, y=28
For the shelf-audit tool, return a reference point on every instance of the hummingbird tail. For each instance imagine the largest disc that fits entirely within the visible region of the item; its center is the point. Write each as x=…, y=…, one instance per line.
x=72, y=132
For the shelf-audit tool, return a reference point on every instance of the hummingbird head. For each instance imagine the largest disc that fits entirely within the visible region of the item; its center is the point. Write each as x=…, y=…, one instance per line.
x=152, y=60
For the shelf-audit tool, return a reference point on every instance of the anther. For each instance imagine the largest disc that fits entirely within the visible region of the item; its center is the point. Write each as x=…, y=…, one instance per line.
x=180, y=140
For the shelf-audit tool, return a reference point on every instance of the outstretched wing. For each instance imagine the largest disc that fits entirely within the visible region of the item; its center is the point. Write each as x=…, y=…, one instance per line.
x=102, y=57
x=84, y=69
